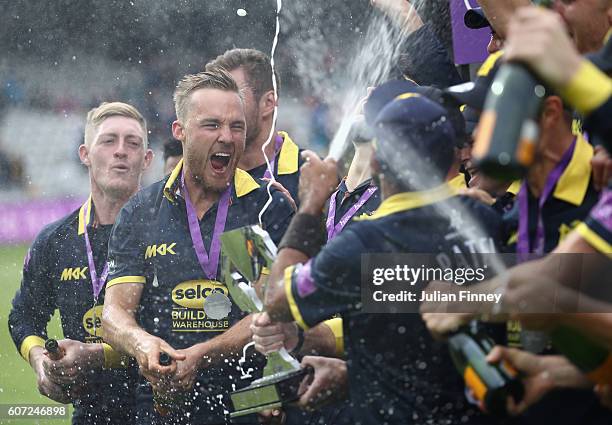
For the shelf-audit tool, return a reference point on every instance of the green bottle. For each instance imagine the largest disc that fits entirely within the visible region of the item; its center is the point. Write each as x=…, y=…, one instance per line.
x=490, y=384
x=508, y=129
x=590, y=357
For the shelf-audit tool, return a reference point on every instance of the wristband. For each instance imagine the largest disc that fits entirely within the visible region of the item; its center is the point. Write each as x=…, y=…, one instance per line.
x=305, y=234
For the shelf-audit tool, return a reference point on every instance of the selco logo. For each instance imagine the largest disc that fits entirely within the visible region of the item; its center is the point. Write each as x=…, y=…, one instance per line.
x=73, y=273
x=162, y=249
x=191, y=294
x=92, y=321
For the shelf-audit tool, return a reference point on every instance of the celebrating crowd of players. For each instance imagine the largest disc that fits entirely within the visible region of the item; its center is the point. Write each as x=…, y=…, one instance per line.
x=131, y=271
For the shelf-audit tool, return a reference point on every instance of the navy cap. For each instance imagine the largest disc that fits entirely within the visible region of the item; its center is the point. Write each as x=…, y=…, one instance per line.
x=471, y=117
x=415, y=137
x=475, y=19
x=387, y=92
x=384, y=94
x=474, y=93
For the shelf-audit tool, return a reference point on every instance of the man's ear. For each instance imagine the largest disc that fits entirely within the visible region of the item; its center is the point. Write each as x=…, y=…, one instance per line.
x=148, y=159
x=267, y=104
x=84, y=155
x=178, y=132
x=552, y=111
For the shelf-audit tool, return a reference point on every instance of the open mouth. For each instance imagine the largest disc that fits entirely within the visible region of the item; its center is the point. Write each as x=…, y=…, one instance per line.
x=220, y=161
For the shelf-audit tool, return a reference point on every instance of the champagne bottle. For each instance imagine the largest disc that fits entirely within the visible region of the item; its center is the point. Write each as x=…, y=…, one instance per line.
x=55, y=353
x=593, y=359
x=490, y=384
x=508, y=128
x=54, y=350
x=163, y=403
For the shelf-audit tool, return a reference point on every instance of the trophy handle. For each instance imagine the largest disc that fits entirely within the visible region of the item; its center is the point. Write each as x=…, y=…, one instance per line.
x=280, y=361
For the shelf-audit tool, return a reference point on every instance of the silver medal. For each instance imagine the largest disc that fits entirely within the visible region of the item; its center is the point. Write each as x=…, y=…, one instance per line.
x=217, y=306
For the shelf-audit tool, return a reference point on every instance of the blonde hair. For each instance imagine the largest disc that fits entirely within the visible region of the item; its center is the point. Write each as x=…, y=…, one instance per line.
x=214, y=79
x=97, y=115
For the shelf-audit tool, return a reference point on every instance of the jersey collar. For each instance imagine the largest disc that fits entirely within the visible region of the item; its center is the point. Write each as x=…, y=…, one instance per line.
x=243, y=183
x=84, y=221
x=406, y=201
x=574, y=182
x=288, y=157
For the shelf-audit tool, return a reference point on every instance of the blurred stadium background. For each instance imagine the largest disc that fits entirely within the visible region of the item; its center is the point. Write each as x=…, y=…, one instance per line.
x=61, y=58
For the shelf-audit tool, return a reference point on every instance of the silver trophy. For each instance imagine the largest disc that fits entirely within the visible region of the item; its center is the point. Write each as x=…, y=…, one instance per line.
x=245, y=253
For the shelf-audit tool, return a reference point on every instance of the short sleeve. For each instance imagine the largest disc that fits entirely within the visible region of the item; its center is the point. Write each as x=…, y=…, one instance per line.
x=126, y=248
x=328, y=284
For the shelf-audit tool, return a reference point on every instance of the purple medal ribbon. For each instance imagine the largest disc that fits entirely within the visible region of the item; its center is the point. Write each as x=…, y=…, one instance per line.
x=97, y=284
x=334, y=229
x=523, y=246
x=277, y=147
x=209, y=263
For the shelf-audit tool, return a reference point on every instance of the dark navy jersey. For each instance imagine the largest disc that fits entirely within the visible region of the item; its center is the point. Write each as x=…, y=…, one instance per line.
x=286, y=167
x=569, y=204
x=151, y=244
x=345, y=200
x=565, y=210
x=397, y=373
x=56, y=276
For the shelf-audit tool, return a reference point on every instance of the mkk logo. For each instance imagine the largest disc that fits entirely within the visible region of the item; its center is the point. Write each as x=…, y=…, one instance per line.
x=74, y=273
x=162, y=249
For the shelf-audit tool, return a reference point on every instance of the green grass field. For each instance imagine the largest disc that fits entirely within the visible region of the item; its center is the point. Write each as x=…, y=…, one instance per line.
x=18, y=383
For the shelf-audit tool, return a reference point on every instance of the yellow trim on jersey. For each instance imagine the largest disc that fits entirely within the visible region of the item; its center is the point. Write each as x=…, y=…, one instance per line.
x=289, y=155
x=295, y=311
x=335, y=325
x=174, y=175
x=408, y=95
x=410, y=200
x=515, y=187
x=593, y=239
x=574, y=182
x=457, y=182
x=488, y=64
x=126, y=279
x=84, y=221
x=28, y=343
x=114, y=359
x=243, y=182
x=588, y=89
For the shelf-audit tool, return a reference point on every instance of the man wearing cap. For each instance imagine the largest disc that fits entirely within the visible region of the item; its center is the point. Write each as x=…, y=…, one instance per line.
x=252, y=71
x=164, y=260
x=66, y=269
x=397, y=373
